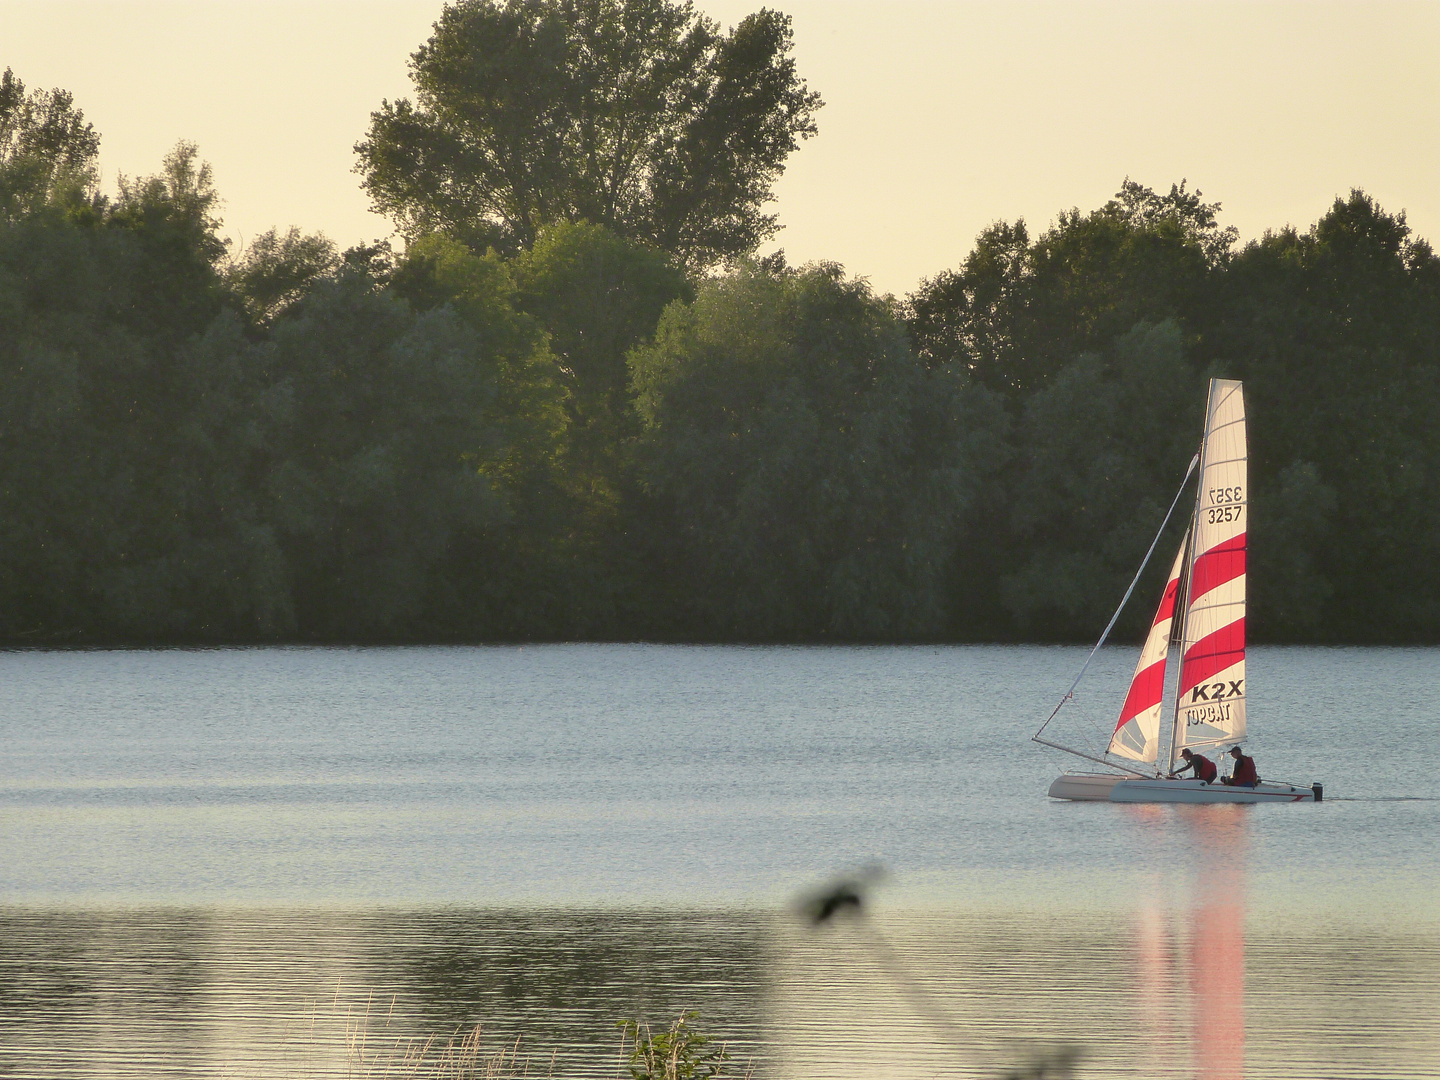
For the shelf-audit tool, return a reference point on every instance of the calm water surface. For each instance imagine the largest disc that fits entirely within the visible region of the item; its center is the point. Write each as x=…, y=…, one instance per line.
x=287, y=862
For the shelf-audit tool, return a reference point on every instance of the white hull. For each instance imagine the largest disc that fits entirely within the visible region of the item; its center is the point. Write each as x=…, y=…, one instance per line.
x=1197, y=791
x=1085, y=787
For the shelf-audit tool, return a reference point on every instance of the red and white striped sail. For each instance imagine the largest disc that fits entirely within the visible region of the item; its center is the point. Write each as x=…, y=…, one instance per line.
x=1211, y=702
x=1137, y=734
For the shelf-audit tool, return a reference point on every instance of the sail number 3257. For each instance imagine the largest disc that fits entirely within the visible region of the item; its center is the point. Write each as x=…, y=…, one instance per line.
x=1226, y=504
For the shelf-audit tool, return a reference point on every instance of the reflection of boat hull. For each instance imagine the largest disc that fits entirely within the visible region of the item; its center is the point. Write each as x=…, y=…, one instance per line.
x=1084, y=787
x=1197, y=791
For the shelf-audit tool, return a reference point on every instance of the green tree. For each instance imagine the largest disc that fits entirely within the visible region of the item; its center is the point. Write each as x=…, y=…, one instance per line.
x=1017, y=311
x=598, y=296
x=46, y=147
x=190, y=553
x=480, y=289
x=408, y=449
x=277, y=270
x=807, y=475
x=1336, y=332
x=1102, y=449
x=640, y=115
x=172, y=221
x=1288, y=535
x=595, y=295
x=128, y=437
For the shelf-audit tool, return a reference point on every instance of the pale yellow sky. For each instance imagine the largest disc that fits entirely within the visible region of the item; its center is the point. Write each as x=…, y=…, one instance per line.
x=940, y=117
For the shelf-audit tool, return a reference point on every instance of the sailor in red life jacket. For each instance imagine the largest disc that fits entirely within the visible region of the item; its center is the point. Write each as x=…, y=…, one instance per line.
x=1204, y=768
x=1244, y=774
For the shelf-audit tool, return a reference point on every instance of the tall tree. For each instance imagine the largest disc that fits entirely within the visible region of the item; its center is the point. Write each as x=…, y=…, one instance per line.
x=1017, y=311
x=128, y=428
x=640, y=115
x=598, y=295
x=276, y=270
x=173, y=220
x=1336, y=332
x=45, y=146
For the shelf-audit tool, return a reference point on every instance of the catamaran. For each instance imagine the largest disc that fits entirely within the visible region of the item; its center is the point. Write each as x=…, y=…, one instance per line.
x=1206, y=586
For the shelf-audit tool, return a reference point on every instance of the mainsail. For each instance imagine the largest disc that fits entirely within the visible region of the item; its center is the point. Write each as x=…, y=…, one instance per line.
x=1210, y=702
x=1137, y=734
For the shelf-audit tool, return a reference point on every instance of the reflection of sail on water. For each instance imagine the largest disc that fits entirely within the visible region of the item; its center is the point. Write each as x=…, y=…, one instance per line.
x=1210, y=709
x=1156, y=987
x=1190, y=953
x=1217, y=946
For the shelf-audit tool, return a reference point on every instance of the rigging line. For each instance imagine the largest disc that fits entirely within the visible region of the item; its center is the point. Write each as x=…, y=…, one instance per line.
x=1089, y=757
x=1124, y=599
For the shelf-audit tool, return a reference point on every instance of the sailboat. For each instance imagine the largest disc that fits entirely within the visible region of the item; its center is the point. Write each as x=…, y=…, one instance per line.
x=1202, y=612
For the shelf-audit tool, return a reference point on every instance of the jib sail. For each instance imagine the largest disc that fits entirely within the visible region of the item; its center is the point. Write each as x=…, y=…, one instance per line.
x=1137, y=733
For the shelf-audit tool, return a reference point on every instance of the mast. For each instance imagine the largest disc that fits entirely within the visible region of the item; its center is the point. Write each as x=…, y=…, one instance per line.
x=1177, y=631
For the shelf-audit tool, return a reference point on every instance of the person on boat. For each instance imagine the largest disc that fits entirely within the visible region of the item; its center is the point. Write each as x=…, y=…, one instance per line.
x=1244, y=774
x=1205, y=769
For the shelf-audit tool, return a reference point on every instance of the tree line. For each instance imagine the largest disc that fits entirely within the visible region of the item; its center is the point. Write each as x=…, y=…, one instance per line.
x=575, y=405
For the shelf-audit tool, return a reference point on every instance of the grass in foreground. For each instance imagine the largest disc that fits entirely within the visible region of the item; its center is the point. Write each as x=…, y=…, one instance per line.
x=679, y=1052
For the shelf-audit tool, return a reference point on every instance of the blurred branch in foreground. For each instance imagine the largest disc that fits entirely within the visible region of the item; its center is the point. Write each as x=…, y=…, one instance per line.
x=845, y=900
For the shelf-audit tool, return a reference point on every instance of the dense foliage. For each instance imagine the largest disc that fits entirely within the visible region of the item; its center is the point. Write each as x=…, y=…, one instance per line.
x=578, y=434
x=1336, y=334
x=808, y=475
x=638, y=115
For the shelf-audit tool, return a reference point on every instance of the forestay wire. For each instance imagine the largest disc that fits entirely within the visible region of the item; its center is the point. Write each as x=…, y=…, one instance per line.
x=1123, y=600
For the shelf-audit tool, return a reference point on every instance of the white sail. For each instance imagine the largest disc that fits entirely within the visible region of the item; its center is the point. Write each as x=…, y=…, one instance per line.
x=1137, y=733
x=1210, y=707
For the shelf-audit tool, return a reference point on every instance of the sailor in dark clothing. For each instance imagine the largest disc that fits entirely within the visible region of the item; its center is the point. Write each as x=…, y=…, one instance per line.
x=1204, y=768
x=1244, y=774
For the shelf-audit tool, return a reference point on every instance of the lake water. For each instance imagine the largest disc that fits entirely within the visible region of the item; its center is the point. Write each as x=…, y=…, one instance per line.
x=290, y=862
